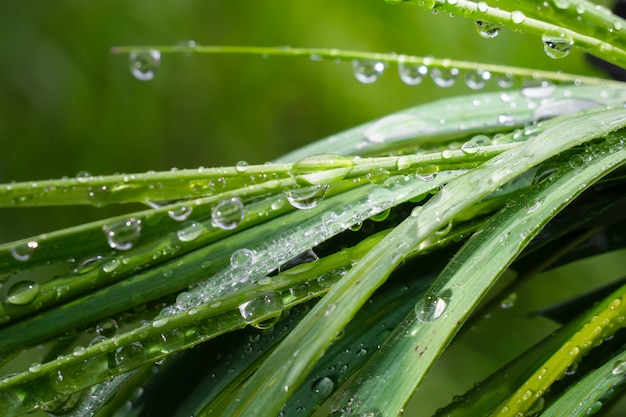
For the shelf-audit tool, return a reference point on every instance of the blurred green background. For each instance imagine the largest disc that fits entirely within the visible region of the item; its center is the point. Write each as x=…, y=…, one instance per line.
x=67, y=105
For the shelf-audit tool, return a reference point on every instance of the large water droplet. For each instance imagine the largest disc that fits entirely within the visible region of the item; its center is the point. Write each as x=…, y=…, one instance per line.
x=505, y=80
x=190, y=231
x=262, y=311
x=24, y=251
x=367, y=71
x=619, y=367
x=144, y=64
x=557, y=45
x=444, y=77
x=518, y=17
x=411, y=74
x=181, y=213
x=305, y=197
x=106, y=327
x=323, y=387
x=130, y=356
x=23, y=292
x=227, y=214
x=124, y=234
x=430, y=308
x=487, y=30
x=321, y=169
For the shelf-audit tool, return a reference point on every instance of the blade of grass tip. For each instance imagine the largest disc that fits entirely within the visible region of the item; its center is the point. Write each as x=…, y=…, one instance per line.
x=272, y=384
x=398, y=368
x=592, y=391
x=465, y=116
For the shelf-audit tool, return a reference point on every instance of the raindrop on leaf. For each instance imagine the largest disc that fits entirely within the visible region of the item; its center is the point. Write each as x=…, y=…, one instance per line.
x=144, y=64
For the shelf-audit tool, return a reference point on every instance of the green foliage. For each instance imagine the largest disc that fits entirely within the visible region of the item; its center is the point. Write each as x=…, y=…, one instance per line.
x=337, y=276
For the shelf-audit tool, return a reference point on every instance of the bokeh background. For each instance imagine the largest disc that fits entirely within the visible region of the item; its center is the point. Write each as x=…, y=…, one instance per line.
x=68, y=105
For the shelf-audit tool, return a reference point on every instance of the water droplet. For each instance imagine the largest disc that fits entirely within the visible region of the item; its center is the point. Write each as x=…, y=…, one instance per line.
x=403, y=162
x=321, y=169
x=518, y=17
x=444, y=77
x=83, y=176
x=381, y=199
x=242, y=166
x=576, y=162
x=505, y=80
x=64, y=405
x=367, y=71
x=263, y=311
x=377, y=175
x=470, y=147
x=144, y=64
x=181, y=213
x=23, y=292
x=227, y=214
x=323, y=387
x=619, y=367
x=487, y=30
x=123, y=234
x=557, y=45
x=411, y=74
x=24, y=251
x=35, y=367
x=477, y=79
x=190, y=231
x=507, y=119
x=110, y=266
x=539, y=92
x=427, y=173
x=243, y=258
x=430, y=308
x=106, y=327
x=130, y=356
x=594, y=408
x=508, y=301
x=305, y=197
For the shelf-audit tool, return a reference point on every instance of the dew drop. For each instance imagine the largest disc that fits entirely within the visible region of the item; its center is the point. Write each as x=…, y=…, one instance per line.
x=23, y=293
x=305, y=197
x=427, y=173
x=508, y=301
x=367, y=71
x=518, y=17
x=619, y=367
x=377, y=175
x=430, y=308
x=321, y=168
x=34, y=368
x=487, y=30
x=263, y=311
x=24, y=251
x=123, y=234
x=477, y=79
x=242, y=166
x=130, y=356
x=181, y=213
x=110, y=266
x=470, y=147
x=323, y=387
x=380, y=199
x=411, y=74
x=106, y=327
x=144, y=64
x=557, y=45
x=505, y=80
x=190, y=231
x=83, y=177
x=444, y=77
x=576, y=162
x=227, y=214
x=507, y=119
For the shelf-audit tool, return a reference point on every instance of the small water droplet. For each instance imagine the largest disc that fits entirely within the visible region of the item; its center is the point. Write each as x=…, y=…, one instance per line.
x=507, y=119
x=24, y=251
x=411, y=74
x=181, y=213
x=377, y=175
x=505, y=80
x=83, y=176
x=430, y=308
x=508, y=301
x=487, y=30
x=444, y=77
x=110, y=265
x=123, y=234
x=23, y=292
x=619, y=367
x=35, y=367
x=367, y=71
x=242, y=166
x=106, y=327
x=477, y=79
x=144, y=64
x=190, y=231
x=227, y=214
x=557, y=45
x=263, y=311
x=518, y=17
x=470, y=147
x=305, y=197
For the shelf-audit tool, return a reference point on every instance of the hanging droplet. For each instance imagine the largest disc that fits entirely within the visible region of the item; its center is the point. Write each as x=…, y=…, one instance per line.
x=190, y=231
x=24, y=251
x=23, y=292
x=505, y=80
x=411, y=74
x=557, y=45
x=144, y=64
x=487, y=30
x=227, y=214
x=430, y=308
x=263, y=311
x=444, y=77
x=181, y=213
x=124, y=234
x=305, y=197
x=477, y=79
x=367, y=71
